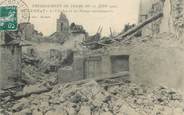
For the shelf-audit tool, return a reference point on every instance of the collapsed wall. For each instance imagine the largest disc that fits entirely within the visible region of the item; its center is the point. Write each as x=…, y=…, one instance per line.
x=171, y=22
x=158, y=63
x=154, y=60
x=160, y=59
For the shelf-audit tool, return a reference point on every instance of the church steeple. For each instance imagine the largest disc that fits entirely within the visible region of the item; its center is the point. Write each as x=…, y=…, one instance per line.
x=62, y=16
x=62, y=23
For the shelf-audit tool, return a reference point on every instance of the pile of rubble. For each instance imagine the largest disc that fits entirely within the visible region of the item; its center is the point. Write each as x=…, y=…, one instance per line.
x=32, y=75
x=108, y=97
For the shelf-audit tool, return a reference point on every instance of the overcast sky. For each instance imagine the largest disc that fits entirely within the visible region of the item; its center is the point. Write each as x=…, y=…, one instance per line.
x=126, y=11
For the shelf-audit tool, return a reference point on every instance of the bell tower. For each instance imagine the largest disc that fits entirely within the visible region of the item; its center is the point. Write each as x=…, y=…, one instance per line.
x=62, y=23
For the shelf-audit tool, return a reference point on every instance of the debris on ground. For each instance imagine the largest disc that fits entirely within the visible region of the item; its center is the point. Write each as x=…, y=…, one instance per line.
x=107, y=97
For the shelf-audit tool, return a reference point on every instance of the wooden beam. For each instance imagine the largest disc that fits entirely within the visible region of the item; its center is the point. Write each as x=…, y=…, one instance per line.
x=129, y=32
x=139, y=26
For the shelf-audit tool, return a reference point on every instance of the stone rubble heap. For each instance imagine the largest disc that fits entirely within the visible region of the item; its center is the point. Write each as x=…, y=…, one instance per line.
x=32, y=75
x=110, y=97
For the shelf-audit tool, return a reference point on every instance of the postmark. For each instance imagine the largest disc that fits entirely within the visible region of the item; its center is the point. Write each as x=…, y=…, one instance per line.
x=8, y=18
x=23, y=13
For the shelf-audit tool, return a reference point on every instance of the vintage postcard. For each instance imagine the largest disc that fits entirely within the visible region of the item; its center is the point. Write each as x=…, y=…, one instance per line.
x=91, y=57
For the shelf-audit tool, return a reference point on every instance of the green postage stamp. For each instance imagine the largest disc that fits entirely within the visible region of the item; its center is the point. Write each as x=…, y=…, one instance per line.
x=8, y=18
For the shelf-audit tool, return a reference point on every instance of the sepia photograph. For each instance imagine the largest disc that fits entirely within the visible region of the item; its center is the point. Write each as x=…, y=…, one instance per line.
x=91, y=57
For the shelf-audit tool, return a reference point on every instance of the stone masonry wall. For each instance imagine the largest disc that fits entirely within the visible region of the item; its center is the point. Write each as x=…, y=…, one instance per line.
x=10, y=65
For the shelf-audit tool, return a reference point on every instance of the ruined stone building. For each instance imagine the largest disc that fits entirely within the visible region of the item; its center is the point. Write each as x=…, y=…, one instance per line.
x=29, y=33
x=149, y=8
x=27, y=29
x=63, y=25
x=10, y=61
x=95, y=64
x=171, y=22
x=154, y=58
x=69, y=35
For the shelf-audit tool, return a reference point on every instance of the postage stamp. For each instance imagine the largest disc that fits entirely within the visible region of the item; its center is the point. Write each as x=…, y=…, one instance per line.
x=8, y=18
x=22, y=10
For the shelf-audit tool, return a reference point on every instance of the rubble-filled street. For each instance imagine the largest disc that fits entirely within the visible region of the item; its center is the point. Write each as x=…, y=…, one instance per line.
x=106, y=97
x=136, y=71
